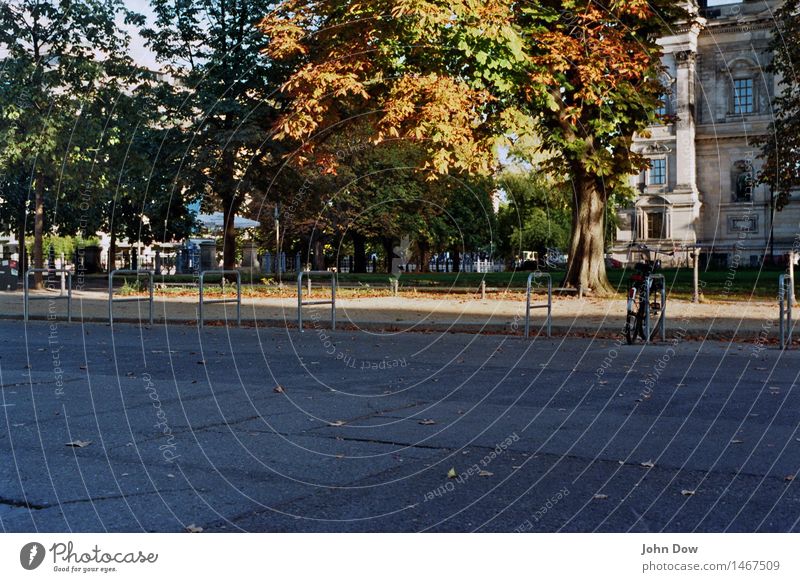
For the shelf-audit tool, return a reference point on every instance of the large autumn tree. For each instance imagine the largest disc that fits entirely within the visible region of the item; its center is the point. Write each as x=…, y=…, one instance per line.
x=461, y=76
x=781, y=146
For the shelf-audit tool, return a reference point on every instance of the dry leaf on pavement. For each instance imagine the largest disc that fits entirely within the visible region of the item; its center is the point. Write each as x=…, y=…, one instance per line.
x=78, y=444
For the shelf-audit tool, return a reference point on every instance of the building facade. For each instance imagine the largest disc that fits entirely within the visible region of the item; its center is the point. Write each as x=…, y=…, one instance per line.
x=700, y=189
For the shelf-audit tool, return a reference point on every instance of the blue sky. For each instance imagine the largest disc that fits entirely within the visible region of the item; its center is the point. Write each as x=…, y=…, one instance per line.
x=140, y=53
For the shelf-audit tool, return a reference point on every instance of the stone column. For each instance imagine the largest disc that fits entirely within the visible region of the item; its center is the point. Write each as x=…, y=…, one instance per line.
x=686, y=164
x=250, y=255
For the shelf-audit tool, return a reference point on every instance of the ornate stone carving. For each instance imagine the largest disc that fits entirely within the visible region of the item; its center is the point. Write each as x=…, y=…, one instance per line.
x=685, y=58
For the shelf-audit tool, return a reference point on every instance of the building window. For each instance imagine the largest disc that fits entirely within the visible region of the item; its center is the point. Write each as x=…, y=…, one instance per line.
x=658, y=172
x=743, y=96
x=655, y=225
x=663, y=108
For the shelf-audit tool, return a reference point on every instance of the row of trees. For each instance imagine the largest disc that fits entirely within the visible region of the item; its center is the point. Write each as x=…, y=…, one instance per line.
x=356, y=119
x=91, y=141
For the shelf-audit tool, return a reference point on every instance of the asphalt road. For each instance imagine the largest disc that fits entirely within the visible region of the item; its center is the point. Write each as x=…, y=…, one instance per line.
x=231, y=429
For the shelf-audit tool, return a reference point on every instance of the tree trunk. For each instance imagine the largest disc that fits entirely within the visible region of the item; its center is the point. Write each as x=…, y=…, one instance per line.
x=22, y=252
x=388, y=251
x=456, y=260
x=359, y=252
x=586, y=269
x=319, y=255
x=38, y=231
x=112, y=251
x=424, y=248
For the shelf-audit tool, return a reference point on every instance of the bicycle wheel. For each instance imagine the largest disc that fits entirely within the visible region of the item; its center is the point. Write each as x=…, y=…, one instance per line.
x=634, y=321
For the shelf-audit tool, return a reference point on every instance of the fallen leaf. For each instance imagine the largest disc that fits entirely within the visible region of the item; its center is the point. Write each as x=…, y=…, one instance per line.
x=600, y=496
x=427, y=421
x=451, y=474
x=78, y=444
x=736, y=442
x=485, y=473
x=336, y=423
x=789, y=478
x=687, y=492
x=192, y=528
x=201, y=362
x=648, y=464
x=278, y=389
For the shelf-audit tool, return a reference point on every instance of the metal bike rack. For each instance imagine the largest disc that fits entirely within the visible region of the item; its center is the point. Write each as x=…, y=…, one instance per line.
x=663, y=324
x=238, y=299
x=27, y=297
x=301, y=303
x=111, y=300
x=548, y=305
x=785, y=310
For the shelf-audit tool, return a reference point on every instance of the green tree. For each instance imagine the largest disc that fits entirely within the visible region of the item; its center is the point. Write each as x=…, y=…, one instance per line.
x=221, y=96
x=58, y=54
x=536, y=214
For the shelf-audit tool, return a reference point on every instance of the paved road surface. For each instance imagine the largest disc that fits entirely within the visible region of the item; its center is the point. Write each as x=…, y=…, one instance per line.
x=186, y=427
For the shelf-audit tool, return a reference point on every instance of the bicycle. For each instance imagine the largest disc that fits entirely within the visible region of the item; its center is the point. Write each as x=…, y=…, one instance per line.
x=637, y=306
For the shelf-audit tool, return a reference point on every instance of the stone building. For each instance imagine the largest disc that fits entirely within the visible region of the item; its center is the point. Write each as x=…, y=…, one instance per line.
x=700, y=188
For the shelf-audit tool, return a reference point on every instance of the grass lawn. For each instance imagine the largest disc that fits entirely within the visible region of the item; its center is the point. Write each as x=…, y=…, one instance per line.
x=738, y=284
x=718, y=285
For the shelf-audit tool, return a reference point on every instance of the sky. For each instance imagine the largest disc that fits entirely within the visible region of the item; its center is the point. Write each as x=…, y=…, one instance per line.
x=139, y=51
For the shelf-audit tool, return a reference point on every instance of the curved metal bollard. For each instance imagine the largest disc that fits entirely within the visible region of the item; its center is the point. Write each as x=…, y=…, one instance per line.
x=27, y=298
x=548, y=305
x=238, y=300
x=301, y=303
x=138, y=273
x=785, y=294
x=663, y=325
